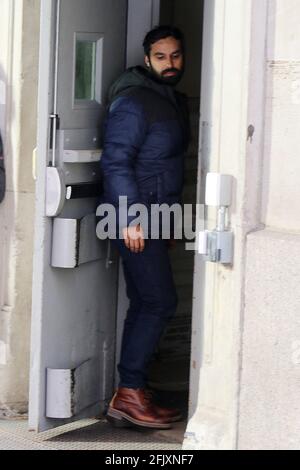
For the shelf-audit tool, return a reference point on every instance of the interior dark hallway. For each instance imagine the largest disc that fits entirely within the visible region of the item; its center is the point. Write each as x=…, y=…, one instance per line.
x=169, y=369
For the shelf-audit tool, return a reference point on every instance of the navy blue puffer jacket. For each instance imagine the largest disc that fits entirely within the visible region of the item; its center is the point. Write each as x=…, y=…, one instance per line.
x=146, y=133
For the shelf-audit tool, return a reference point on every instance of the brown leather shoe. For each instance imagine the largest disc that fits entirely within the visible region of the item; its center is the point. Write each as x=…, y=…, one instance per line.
x=170, y=414
x=132, y=407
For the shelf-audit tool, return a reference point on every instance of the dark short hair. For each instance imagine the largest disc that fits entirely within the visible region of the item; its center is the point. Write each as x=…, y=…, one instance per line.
x=162, y=32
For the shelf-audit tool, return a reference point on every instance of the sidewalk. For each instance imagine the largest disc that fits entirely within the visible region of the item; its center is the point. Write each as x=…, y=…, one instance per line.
x=88, y=434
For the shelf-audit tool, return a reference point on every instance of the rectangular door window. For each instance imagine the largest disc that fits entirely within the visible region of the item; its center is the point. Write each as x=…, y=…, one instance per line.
x=85, y=70
x=88, y=58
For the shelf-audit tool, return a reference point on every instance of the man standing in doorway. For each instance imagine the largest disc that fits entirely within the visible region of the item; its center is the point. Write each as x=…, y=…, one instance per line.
x=145, y=136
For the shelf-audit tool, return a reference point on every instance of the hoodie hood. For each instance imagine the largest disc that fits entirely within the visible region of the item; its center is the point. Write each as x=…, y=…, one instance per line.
x=139, y=76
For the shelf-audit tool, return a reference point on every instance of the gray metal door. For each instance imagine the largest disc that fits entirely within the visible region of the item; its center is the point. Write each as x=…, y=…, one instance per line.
x=82, y=50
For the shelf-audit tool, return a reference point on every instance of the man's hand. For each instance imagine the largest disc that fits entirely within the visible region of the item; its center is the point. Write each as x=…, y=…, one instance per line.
x=134, y=238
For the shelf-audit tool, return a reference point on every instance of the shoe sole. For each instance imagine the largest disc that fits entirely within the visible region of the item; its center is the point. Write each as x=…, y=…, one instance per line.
x=121, y=419
x=175, y=418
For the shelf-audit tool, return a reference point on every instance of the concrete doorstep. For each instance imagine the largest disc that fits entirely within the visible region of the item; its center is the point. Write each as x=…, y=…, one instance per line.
x=88, y=434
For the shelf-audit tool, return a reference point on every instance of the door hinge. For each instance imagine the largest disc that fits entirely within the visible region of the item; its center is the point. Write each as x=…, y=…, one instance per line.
x=217, y=245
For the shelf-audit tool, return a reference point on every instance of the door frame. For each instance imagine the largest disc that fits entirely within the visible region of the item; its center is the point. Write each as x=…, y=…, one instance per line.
x=229, y=26
x=232, y=97
x=42, y=235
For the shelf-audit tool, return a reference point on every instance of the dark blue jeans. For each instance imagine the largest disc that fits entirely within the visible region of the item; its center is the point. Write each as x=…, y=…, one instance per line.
x=153, y=301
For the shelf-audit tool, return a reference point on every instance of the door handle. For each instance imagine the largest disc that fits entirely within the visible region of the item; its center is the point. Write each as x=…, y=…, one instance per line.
x=82, y=156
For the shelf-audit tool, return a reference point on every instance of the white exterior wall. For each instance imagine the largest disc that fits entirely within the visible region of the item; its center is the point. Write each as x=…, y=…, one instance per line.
x=18, y=74
x=270, y=380
x=246, y=348
x=281, y=189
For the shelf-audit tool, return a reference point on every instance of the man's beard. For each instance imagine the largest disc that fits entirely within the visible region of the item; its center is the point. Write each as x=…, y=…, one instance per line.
x=165, y=79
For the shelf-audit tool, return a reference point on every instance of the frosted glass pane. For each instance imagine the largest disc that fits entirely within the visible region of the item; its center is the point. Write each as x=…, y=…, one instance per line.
x=85, y=70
